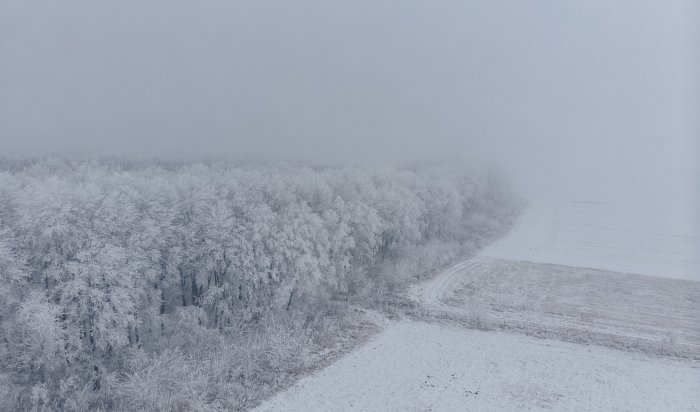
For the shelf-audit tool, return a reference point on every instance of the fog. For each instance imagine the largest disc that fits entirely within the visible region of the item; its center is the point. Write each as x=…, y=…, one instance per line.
x=307, y=205
x=568, y=97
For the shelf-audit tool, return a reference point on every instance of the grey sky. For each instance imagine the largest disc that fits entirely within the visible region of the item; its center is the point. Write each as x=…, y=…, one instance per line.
x=580, y=92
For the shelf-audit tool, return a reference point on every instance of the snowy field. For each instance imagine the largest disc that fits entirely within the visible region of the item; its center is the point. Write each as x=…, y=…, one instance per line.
x=418, y=366
x=654, y=315
x=647, y=238
x=569, y=326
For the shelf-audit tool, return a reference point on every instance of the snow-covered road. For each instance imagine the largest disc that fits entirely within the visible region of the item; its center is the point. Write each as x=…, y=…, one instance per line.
x=551, y=319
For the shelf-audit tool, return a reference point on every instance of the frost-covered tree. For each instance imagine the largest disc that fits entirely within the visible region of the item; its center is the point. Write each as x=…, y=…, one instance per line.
x=109, y=266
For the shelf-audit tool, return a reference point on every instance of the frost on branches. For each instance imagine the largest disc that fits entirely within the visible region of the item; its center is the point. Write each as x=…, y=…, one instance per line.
x=151, y=285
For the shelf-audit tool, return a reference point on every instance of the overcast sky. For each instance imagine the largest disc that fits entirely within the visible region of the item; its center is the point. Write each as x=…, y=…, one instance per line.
x=580, y=93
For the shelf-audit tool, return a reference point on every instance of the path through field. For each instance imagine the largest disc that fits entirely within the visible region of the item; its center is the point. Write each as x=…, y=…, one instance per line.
x=557, y=333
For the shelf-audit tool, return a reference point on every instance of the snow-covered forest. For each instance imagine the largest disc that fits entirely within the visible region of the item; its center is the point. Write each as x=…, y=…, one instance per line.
x=207, y=285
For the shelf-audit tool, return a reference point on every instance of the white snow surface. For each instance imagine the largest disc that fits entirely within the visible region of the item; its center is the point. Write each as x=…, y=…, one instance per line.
x=418, y=366
x=646, y=238
x=641, y=313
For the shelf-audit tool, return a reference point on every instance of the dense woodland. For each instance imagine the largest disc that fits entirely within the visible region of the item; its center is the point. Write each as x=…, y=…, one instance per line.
x=140, y=285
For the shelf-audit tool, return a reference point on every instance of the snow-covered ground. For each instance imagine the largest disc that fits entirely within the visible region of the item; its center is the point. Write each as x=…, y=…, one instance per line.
x=554, y=294
x=627, y=311
x=418, y=366
x=647, y=238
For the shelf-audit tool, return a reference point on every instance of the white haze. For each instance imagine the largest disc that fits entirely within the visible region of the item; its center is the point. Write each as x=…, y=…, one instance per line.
x=128, y=283
x=577, y=98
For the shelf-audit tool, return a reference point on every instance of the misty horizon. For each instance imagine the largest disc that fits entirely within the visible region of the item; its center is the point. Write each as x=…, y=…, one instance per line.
x=363, y=205
x=597, y=94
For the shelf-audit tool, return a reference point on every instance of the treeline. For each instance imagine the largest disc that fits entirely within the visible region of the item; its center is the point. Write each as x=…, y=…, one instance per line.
x=107, y=262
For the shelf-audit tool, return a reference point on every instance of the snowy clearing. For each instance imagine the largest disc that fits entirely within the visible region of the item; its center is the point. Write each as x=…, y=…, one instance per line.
x=417, y=366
